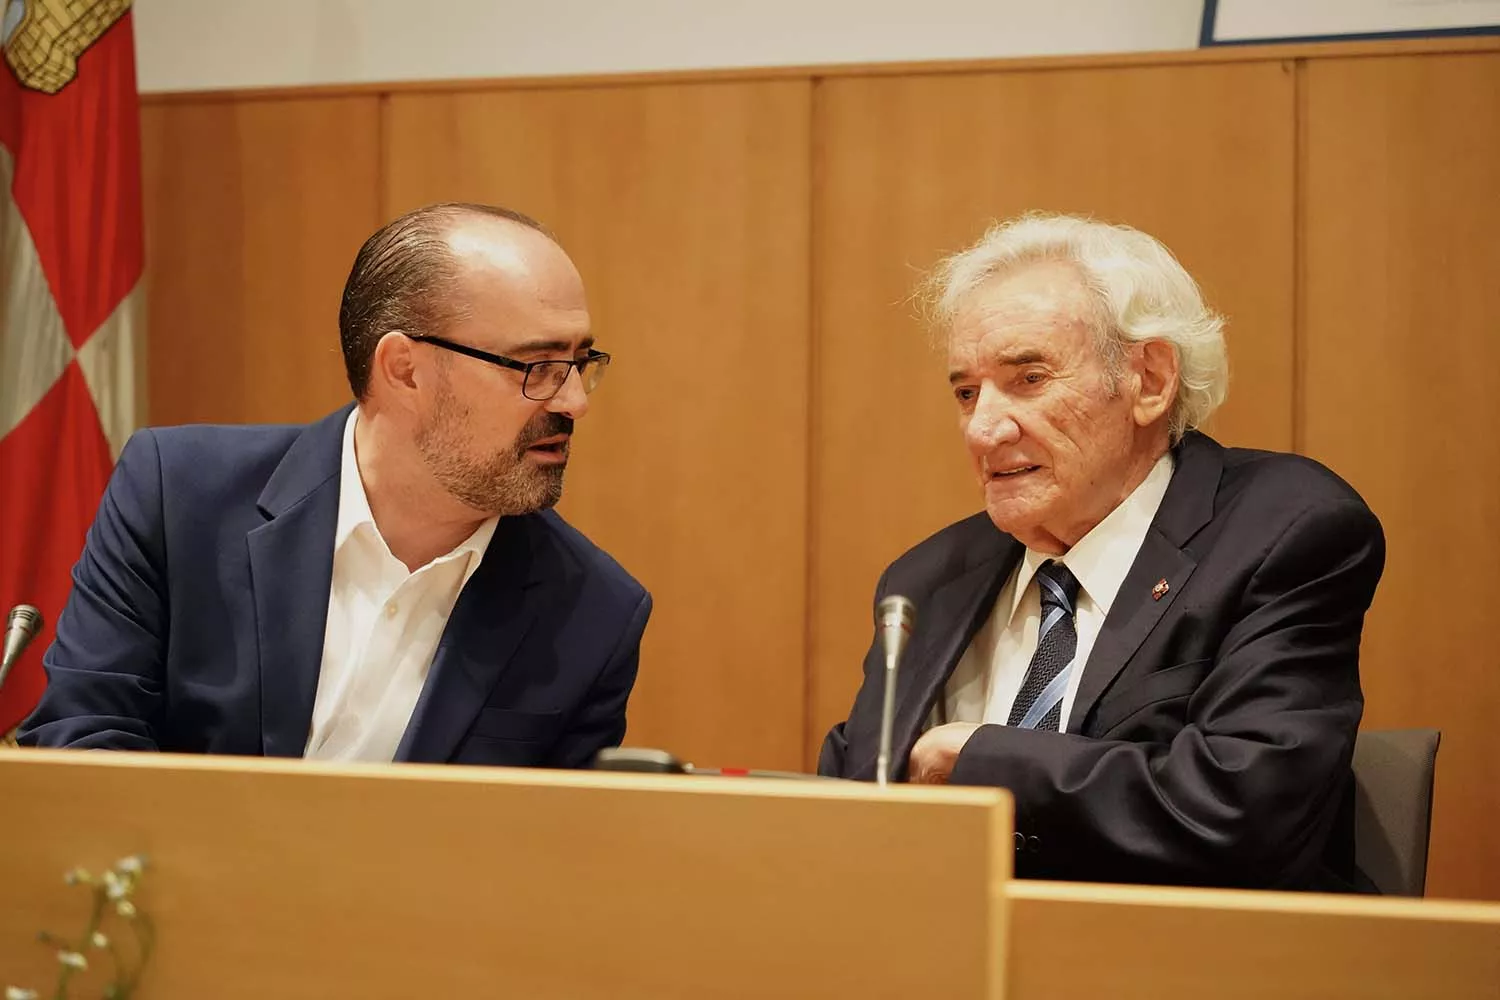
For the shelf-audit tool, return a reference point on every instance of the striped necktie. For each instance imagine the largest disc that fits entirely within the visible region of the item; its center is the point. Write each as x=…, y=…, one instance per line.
x=1038, y=705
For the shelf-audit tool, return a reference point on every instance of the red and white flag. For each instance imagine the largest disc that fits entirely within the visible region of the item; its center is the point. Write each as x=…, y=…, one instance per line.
x=71, y=257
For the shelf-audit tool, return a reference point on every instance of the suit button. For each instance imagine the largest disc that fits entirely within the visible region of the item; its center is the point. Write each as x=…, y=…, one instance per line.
x=1020, y=841
x=1033, y=844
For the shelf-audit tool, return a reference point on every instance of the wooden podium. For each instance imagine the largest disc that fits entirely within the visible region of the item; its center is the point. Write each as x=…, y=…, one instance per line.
x=291, y=879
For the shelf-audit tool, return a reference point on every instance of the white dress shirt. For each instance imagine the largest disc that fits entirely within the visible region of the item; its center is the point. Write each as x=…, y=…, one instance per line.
x=989, y=675
x=383, y=627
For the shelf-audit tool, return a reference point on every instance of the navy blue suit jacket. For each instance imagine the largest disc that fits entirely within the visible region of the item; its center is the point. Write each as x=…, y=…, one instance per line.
x=198, y=608
x=1211, y=736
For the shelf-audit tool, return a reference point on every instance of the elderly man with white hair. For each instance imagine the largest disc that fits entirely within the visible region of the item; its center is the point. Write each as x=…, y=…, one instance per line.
x=1151, y=640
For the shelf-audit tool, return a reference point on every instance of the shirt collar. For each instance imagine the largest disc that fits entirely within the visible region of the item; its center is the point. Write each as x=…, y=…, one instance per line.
x=354, y=504
x=355, y=515
x=1103, y=557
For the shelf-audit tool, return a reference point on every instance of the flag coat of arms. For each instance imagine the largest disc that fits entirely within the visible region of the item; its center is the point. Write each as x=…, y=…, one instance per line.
x=71, y=295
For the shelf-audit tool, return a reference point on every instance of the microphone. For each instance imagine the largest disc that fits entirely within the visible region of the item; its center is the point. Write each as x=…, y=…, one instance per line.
x=644, y=759
x=650, y=760
x=895, y=616
x=21, y=626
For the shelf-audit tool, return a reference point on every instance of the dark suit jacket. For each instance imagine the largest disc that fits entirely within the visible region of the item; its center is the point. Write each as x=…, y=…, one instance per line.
x=1210, y=739
x=198, y=609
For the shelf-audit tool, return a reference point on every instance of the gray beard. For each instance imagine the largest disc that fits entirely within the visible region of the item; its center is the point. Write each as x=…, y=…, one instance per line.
x=506, y=483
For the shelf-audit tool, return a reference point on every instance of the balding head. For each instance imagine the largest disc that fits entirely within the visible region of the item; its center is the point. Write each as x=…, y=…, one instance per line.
x=406, y=275
x=513, y=283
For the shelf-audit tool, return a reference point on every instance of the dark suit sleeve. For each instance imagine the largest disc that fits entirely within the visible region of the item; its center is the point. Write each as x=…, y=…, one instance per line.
x=1244, y=792
x=831, y=756
x=832, y=762
x=600, y=722
x=104, y=669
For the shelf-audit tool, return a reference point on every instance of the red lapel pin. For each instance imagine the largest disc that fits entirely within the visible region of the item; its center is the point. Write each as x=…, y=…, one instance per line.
x=1160, y=590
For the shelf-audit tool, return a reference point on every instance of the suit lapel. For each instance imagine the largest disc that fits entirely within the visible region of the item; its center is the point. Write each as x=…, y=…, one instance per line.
x=954, y=613
x=494, y=612
x=1185, y=508
x=1131, y=618
x=291, y=571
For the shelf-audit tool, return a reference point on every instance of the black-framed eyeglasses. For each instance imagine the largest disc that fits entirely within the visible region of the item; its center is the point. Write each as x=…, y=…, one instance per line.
x=543, y=379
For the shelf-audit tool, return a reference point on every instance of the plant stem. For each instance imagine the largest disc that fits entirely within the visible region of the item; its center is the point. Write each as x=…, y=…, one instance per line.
x=96, y=913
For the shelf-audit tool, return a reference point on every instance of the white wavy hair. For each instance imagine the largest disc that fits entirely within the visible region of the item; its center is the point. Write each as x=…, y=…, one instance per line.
x=1142, y=293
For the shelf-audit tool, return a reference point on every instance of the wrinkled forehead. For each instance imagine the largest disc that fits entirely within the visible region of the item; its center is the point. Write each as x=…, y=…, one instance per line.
x=1032, y=301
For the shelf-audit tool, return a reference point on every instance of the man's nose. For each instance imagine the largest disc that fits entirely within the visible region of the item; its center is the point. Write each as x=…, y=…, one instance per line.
x=571, y=399
x=992, y=423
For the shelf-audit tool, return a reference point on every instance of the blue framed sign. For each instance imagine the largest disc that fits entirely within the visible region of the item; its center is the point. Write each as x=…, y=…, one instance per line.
x=1253, y=22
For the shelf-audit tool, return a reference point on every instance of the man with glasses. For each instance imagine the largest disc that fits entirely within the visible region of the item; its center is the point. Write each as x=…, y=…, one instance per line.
x=389, y=583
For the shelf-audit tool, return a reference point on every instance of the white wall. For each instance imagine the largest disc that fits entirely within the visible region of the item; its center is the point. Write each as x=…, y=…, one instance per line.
x=205, y=44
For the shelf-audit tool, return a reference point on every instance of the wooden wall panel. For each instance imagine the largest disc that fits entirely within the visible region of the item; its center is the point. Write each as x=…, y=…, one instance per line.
x=686, y=209
x=254, y=211
x=1402, y=397
x=1201, y=156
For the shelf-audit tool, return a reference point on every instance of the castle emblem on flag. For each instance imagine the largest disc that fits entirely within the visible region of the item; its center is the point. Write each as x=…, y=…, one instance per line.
x=44, y=38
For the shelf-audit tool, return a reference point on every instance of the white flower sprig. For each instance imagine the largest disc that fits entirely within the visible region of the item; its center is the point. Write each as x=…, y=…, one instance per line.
x=112, y=894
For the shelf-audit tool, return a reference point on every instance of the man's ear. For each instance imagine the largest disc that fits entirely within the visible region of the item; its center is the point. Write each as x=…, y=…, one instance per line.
x=393, y=368
x=1155, y=370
